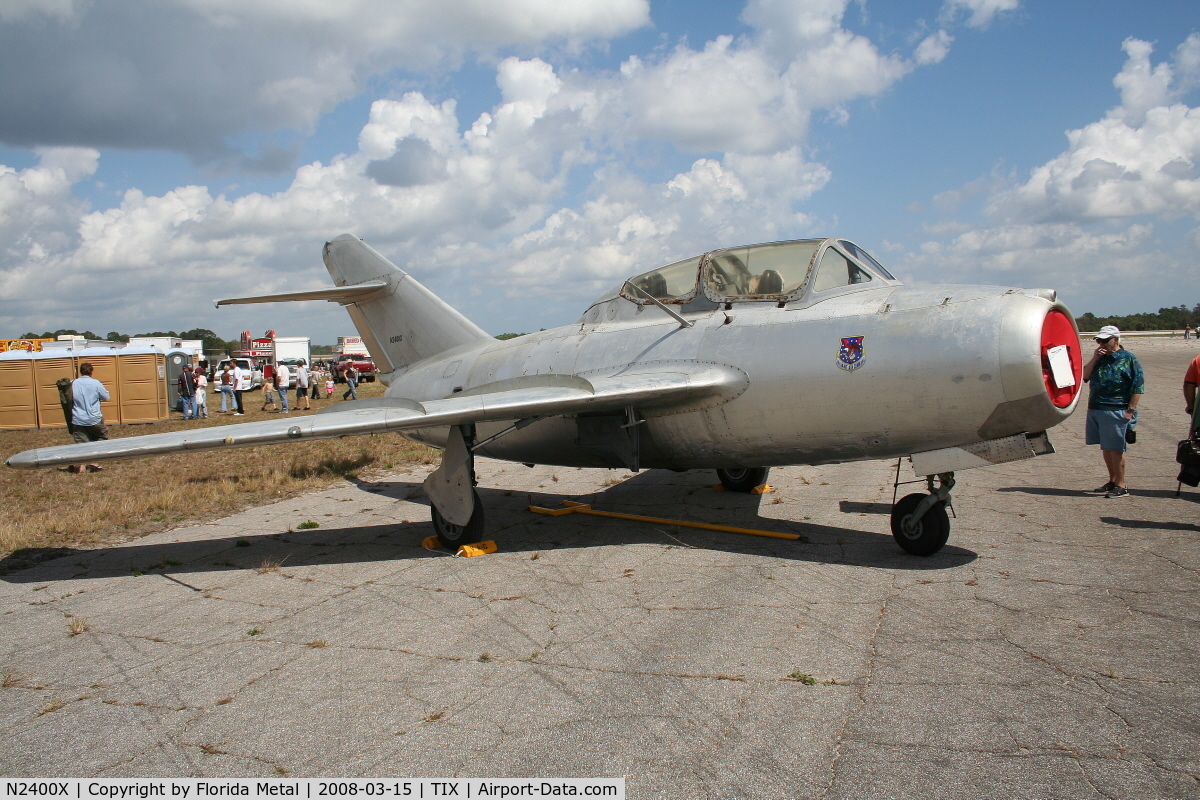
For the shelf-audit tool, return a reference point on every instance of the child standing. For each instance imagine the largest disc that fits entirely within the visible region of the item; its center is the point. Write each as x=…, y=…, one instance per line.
x=201, y=393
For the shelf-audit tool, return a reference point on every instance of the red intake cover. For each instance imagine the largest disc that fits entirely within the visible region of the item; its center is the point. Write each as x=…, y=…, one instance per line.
x=1058, y=329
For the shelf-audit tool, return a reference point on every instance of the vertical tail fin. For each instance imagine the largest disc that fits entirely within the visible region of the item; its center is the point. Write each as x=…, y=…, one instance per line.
x=403, y=322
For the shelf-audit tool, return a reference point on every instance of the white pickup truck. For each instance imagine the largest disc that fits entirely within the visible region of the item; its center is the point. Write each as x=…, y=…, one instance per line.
x=251, y=376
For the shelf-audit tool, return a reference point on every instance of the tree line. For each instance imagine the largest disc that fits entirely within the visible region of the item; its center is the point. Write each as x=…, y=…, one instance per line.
x=1167, y=319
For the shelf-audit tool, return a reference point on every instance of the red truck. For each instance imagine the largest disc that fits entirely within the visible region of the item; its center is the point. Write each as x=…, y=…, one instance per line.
x=363, y=364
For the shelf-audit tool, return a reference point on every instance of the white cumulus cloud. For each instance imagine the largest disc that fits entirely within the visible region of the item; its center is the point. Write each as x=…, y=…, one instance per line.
x=526, y=212
x=1140, y=159
x=980, y=13
x=188, y=75
x=1084, y=221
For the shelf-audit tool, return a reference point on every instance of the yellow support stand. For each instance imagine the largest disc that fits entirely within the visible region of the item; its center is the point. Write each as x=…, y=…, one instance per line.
x=583, y=508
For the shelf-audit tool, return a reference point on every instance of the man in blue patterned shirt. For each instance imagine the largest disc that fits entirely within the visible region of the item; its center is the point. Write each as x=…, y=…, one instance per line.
x=1117, y=385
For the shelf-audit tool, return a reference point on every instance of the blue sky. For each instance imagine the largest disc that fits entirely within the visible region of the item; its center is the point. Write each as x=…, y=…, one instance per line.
x=520, y=157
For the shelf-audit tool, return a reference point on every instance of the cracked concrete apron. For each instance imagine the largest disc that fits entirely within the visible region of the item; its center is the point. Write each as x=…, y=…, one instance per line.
x=1049, y=650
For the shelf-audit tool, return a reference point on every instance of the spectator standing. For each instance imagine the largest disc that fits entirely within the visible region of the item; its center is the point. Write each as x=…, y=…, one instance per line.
x=1191, y=380
x=87, y=417
x=238, y=374
x=351, y=374
x=283, y=378
x=226, y=388
x=201, y=393
x=328, y=385
x=187, y=393
x=1117, y=385
x=302, y=378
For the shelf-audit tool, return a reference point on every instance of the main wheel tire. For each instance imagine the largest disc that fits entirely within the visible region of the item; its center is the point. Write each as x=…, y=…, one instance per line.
x=932, y=531
x=454, y=536
x=743, y=480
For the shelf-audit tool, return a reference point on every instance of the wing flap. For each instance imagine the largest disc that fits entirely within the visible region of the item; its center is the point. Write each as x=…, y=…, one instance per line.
x=652, y=390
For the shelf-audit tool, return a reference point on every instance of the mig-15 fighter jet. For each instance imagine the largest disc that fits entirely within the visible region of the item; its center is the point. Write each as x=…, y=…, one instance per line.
x=738, y=360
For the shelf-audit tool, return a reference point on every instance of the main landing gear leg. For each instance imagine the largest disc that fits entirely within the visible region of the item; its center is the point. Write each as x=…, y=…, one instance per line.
x=457, y=511
x=920, y=524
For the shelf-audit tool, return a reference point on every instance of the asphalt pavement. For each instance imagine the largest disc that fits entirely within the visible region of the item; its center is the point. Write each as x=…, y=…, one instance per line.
x=1050, y=650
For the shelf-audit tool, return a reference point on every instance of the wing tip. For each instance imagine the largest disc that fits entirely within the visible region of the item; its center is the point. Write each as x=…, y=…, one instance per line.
x=26, y=460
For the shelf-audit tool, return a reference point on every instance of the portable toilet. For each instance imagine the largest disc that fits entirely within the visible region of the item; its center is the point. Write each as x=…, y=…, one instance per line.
x=177, y=361
x=18, y=399
x=48, y=367
x=142, y=376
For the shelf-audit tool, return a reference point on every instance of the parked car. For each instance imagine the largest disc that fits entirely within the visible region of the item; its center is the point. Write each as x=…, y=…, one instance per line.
x=364, y=365
x=251, y=376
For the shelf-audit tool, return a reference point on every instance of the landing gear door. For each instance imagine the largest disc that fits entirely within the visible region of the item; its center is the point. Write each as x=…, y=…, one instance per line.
x=614, y=435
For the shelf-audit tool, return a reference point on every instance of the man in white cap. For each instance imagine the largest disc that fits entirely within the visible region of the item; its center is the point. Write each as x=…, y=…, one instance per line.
x=1117, y=385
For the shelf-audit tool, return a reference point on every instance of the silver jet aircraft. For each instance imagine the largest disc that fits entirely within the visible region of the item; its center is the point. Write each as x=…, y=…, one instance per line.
x=738, y=360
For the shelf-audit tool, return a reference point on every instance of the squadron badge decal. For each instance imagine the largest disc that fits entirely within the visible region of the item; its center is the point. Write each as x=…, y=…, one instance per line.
x=850, y=355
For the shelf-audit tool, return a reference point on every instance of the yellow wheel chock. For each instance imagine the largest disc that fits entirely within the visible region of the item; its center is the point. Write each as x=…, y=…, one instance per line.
x=762, y=488
x=464, y=551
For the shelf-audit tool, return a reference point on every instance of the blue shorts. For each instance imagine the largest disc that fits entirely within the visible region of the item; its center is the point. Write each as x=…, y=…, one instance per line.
x=1106, y=427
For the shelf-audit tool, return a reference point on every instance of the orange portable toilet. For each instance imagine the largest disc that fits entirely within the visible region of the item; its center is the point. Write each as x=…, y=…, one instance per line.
x=46, y=373
x=18, y=400
x=141, y=373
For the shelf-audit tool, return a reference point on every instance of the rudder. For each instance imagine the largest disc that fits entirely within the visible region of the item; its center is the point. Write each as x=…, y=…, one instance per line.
x=404, y=322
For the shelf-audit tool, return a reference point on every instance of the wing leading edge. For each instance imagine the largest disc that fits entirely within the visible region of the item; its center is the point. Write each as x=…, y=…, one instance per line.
x=678, y=384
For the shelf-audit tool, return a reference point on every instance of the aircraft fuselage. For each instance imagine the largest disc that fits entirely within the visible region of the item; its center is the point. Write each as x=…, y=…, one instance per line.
x=925, y=368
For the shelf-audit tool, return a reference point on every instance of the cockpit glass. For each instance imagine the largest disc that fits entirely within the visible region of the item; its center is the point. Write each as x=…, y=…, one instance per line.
x=672, y=282
x=865, y=257
x=767, y=269
x=837, y=270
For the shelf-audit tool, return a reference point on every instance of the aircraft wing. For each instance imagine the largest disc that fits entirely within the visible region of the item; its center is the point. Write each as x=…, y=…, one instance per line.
x=660, y=387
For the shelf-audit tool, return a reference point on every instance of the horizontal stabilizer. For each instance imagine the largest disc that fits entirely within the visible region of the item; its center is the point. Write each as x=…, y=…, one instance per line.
x=338, y=294
x=676, y=386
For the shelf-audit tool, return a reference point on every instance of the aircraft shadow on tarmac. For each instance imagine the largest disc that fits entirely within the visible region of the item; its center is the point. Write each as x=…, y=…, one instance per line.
x=1054, y=491
x=677, y=496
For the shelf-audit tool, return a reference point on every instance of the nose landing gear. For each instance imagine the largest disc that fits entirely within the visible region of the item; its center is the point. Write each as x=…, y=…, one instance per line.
x=920, y=524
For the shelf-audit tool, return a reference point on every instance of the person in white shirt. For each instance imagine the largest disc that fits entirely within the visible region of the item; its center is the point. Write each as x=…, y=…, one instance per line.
x=238, y=373
x=284, y=378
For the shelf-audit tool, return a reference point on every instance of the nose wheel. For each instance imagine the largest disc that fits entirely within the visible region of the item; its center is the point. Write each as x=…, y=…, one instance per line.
x=920, y=524
x=454, y=536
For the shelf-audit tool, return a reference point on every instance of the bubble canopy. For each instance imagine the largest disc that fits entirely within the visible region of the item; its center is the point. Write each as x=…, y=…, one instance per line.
x=777, y=271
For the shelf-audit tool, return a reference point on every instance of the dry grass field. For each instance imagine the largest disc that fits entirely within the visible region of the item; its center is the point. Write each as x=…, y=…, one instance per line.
x=54, y=508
